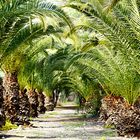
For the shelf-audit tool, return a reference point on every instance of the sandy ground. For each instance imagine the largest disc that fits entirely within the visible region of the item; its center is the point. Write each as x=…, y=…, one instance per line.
x=62, y=124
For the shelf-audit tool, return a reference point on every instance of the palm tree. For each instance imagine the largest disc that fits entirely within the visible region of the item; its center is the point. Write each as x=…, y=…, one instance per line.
x=47, y=59
x=114, y=63
x=88, y=90
x=28, y=93
x=2, y=114
x=52, y=68
x=33, y=99
x=28, y=22
x=52, y=61
x=41, y=100
x=24, y=106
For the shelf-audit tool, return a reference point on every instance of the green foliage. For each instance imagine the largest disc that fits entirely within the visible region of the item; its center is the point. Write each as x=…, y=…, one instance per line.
x=103, y=138
x=30, y=19
x=116, y=76
x=114, y=64
x=93, y=105
x=8, y=126
x=103, y=49
x=109, y=126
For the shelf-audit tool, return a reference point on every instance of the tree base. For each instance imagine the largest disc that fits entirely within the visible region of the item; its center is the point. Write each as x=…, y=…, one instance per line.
x=42, y=109
x=2, y=118
x=50, y=107
x=126, y=118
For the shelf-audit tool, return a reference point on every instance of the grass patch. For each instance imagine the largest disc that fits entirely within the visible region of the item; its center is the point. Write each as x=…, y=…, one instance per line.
x=47, y=116
x=8, y=126
x=109, y=126
x=109, y=133
x=31, y=118
x=52, y=113
x=103, y=138
x=73, y=124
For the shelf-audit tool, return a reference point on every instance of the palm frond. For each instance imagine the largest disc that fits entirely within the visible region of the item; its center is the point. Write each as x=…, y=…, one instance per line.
x=112, y=71
x=23, y=13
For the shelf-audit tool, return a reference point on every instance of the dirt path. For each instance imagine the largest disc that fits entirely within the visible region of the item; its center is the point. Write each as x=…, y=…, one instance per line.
x=62, y=124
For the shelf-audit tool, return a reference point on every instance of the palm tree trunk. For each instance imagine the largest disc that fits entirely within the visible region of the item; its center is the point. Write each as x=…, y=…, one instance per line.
x=41, y=99
x=24, y=106
x=52, y=100
x=33, y=99
x=81, y=102
x=125, y=117
x=11, y=96
x=2, y=114
x=56, y=94
x=50, y=103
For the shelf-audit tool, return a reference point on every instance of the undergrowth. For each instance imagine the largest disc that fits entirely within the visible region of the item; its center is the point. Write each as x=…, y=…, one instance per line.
x=8, y=126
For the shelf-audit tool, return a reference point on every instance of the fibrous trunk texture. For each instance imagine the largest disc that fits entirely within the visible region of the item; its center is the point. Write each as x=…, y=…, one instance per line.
x=41, y=100
x=11, y=97
x=2, y=114
x=33, y=99
x=24, y=106
x=81, y=103
x=93, y=104
x=126, y=118
x=50, y=103
x=56, y=96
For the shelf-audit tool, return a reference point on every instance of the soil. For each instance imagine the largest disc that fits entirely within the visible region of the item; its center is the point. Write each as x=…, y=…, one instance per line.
x=64, y=123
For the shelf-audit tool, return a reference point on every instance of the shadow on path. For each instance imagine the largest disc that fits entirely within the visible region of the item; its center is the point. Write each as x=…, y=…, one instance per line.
x=62, y=124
